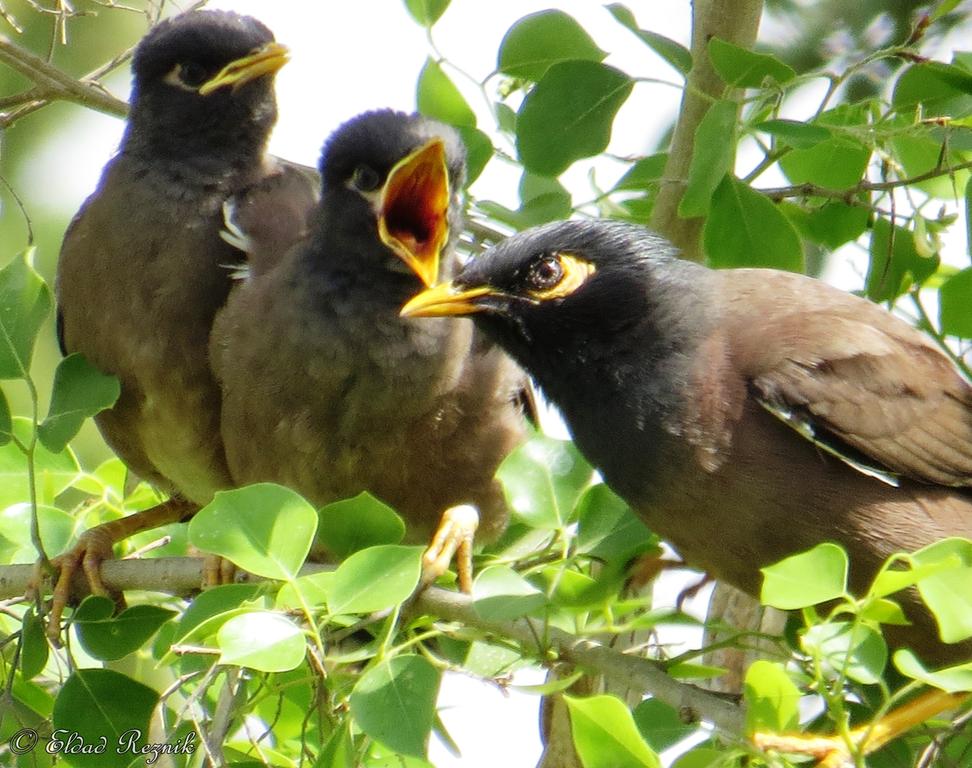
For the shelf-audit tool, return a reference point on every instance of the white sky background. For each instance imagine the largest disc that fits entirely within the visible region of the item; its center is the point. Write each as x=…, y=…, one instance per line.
x=367, y=54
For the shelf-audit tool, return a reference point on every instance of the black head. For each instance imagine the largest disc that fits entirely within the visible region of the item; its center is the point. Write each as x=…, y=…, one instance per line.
x=566, y=290
x=390, y=197
x=203, y=89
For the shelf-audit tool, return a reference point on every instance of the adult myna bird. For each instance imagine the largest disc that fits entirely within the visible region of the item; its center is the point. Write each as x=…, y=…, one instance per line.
x=143, y=268
x=743, y=413
x=326, y=389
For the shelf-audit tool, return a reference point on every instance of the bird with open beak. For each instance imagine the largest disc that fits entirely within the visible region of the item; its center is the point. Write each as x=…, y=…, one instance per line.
x=327, y=390
x=142, y=269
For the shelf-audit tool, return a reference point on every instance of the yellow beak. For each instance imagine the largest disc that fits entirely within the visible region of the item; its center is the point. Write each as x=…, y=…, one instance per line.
x=445, y=300
x=413, y=219
x=262, y=61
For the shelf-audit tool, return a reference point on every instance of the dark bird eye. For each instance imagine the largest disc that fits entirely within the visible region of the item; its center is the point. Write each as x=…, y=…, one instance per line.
x=192, y=74
x=546, y=273
x=365, y=178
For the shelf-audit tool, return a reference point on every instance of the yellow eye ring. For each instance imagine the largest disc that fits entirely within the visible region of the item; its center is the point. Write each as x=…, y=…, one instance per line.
x=574, y=272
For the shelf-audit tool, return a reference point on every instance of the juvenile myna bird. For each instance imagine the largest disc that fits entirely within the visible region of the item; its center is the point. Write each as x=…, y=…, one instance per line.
x=742, y=413
x=325, y=388
x=143, y=268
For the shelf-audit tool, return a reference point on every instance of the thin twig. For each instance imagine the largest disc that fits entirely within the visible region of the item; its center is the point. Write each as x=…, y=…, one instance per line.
x=812, y=190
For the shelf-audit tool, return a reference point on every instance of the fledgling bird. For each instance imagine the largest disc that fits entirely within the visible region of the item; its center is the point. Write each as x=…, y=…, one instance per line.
x=694, y=391
x=325, y=388
x=143, y=268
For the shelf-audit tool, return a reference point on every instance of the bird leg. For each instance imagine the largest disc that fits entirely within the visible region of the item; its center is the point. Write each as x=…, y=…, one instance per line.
x=217, y=571
x=835, y=751
x=453, y=537
x=94, y=546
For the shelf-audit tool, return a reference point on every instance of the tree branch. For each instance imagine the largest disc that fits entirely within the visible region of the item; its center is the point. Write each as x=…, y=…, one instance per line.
x=183, y=575
x=735, y=21
x=52, y=84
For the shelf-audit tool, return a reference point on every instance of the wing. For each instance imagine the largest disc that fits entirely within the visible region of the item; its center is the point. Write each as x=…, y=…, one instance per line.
x=837, y=366
x=268, y=217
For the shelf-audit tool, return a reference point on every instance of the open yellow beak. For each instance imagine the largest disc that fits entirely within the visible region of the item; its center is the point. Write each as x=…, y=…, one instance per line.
x=262, y=61
x=413, y=218
x=445, y=300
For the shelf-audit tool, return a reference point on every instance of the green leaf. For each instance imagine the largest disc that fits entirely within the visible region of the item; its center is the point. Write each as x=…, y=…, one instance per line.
x=54, y=471
x=806, y=579
x=686, y=671
x=479, y=151
x=34, y=650
x=772, y=700
x=80, y=390
x=832, y=224
x=553, y=684
x=533, y=187
x=705, y=757
x=884, y=611
x=569, y=115
x=943, y=8
x=99, y=706
x=310, y=590
x=339, y=750
x=660, y=724
x=394, y=703
x=741, y=68
x=948, y=591
x=264, y=528
x=644, y=173
x=714, y=149
x=836, y=163
x=796, y=134
x=921, y=152
x=542, y=199
x=857, y=650
x=375, y=579
x=261, y=640
x=605, y=734
x=677, y=55
x=955, y=299
x=608, y=529
x=437, y=97
x=543, y=479
x=538, y=41
x=907, y=267
x=745, y=229
x=951, y=679
x=501, y=594
x=95, y=608
x=426, y=12
x=211, y=609
x=56, y=530
x=348, y=525
x=939, y=89
x=6, y=422
x=25, y=302
x=109, y=639
x=968, y=215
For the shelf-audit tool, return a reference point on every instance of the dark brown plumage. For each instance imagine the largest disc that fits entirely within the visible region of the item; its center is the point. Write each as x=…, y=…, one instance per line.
x=689, y=389
x=325, y=388
x=143, y=268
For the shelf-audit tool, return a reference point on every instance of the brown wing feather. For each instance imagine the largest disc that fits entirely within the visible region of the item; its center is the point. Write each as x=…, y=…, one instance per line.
x=272, y=214
x=852, y=370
